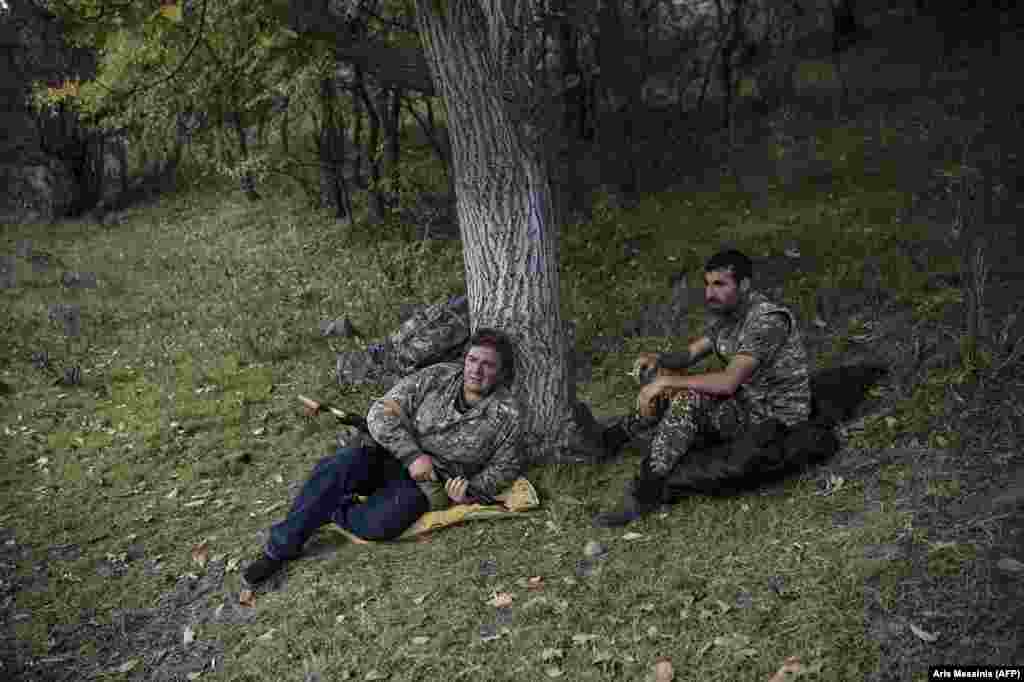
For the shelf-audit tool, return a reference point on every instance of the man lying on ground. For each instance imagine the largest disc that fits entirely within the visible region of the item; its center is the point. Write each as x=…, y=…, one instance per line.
x=450, y=433
x=765, y=377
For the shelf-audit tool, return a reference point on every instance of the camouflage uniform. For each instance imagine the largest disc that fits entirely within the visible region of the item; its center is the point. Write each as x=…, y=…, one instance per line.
x=480, y=442
x=779, y=388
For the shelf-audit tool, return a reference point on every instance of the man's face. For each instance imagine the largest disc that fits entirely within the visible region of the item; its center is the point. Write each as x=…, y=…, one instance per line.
x=480, y=372
x=722, y=294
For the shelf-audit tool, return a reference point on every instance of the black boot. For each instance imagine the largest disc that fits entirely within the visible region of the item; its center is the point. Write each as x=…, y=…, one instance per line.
x=260, y=569
x=633, y=507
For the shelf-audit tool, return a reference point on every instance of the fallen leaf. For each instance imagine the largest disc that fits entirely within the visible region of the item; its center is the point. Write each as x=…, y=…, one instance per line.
x=171, y=11
x=632, y=536
x=376, y=675
x=922, y=634
x=267, y=636
x=663, y=671
x=171, y=495
x=194, y=503
x=552, y=671
x=535, y=583
x=500, y=599
x=188, y=636
x=420, y=641
x=791, y=667
x=194, y=676
x=551, y=654
x=419, y=600
x=278, y=478
x=247, y=598
x=127, y=665
x=231, y=565
x=201, y=554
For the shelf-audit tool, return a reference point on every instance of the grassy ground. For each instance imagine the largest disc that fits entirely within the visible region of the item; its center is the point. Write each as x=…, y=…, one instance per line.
x=205, y=325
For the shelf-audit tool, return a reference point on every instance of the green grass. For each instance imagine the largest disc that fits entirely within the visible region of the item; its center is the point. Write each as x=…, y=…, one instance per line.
x=204, y=329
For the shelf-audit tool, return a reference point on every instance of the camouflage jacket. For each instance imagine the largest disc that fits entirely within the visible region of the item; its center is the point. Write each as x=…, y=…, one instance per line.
x=780, y=386
x=420, y=415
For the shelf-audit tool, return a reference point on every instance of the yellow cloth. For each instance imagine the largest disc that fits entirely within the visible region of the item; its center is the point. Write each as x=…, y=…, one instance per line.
x=518, y=497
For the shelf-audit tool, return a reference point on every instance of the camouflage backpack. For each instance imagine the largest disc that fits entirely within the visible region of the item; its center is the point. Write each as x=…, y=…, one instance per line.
x=437, y=333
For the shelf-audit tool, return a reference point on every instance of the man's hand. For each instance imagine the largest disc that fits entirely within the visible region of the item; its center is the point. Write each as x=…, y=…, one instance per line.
x=456, y=489
x=649, y=397
x=422, y=469
x=645, y=365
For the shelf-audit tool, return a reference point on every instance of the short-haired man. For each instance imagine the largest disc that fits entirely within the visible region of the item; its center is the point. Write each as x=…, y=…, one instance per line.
x=450, y=433
x=765, y=377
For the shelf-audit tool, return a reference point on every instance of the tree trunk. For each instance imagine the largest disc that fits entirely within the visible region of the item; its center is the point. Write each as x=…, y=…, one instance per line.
x=377, y=206
x=357, y=127
x=331, y=144
x=247, y=182
x=506, y=212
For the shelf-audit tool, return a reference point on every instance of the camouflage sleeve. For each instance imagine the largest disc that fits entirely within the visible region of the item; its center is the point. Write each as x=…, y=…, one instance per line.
x=390, y=417
x=505, y=464
x=764, y=337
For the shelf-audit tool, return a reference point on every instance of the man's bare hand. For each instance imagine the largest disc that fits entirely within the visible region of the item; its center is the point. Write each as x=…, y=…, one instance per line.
x=644, y=365
x=647, y=402
x=422, y=469
x=456, y=489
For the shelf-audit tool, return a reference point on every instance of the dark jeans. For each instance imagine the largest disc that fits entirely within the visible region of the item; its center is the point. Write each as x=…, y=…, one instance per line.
x=394, y=504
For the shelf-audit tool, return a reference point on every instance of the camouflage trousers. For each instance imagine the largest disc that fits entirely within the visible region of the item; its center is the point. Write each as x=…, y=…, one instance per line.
x=689, y=417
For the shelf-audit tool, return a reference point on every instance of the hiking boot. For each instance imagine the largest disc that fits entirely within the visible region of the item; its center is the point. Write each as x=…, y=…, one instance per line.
x=260, y=569
x=631, y=510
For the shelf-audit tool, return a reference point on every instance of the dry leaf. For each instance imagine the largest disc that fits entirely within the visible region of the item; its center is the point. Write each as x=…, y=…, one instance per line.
x=201, y=554
x=922, y=634
x=535, y=583
x=551, y=654
x=267, y=636
x=171, y=11
x=194, y=676
x=500, y=599
x=632, y=536
x=247, y=598
x=791, y=667
x=663, y=671
x=376, y=675
x=279, y=479
x=420, y=641
x=188, y=636
x=231, y=565
x=419, y=600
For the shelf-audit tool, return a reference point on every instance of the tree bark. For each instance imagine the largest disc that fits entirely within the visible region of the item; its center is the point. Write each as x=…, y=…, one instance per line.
x=476, y=52
x=247, y=182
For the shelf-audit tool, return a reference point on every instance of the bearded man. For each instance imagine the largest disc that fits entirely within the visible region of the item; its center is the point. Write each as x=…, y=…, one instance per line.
x=450, y=433
x=765, y=378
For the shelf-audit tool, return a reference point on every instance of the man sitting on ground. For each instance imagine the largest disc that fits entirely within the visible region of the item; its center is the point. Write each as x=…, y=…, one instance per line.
x=450, y=433
x=765, y=377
